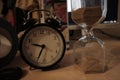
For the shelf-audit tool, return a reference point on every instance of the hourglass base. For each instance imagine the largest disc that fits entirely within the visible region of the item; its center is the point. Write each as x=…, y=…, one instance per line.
x=91, y=57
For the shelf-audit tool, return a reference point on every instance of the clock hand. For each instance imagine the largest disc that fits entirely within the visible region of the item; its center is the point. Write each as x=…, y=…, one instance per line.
x=39, y=45
x=43, y=46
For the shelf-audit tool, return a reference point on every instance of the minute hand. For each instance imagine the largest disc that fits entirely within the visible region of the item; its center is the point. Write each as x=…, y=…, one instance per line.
x=43, y=46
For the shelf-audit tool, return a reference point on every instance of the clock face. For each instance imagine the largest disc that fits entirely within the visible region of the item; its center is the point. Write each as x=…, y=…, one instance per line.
x=43, y=46
x=8, y=43
x=5, y=43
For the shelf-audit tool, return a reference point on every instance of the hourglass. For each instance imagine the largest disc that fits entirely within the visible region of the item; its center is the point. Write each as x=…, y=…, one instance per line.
x=89, y=50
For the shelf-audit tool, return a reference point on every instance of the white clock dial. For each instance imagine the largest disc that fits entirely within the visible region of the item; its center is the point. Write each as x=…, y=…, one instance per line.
x=8, y=43
x=43, y=46
x=5, y=46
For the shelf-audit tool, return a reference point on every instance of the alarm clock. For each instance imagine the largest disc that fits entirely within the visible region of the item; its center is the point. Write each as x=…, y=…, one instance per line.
x=42, y=46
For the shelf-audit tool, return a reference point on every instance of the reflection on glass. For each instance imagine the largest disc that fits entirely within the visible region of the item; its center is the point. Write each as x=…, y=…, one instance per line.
x=76, y=5
x=73, y=4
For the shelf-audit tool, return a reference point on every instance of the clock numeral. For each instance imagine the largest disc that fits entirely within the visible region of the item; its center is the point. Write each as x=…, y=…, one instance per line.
x=48, y=32
x=56, y=51
x=44, y=60
x=55, y=38
x=27, y=47
x=41, y=31
x=34, y=34
x=58, y=43
x=52, y=57
x=35, y=58
x=29, y=40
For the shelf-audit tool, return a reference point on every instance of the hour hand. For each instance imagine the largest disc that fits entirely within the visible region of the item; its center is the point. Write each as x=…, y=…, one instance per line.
x=39, y=45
